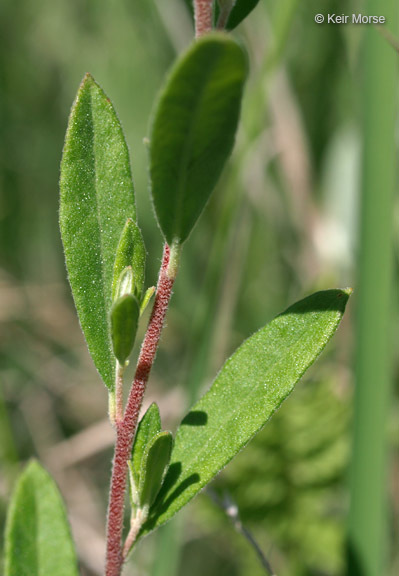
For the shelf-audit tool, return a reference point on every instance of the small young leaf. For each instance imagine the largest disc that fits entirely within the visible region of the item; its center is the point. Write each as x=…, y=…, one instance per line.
x=125, y=314
x=149, y=426
x=97, y=198
x=193, y=131
x=130, y=253
x=249, y=388
x=38, y=540
x=154, y=467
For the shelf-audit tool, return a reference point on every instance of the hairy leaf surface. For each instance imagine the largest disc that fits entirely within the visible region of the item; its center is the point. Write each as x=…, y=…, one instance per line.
x=193, y=131
x=249, y=388
x=38, y=540
x=97, y=198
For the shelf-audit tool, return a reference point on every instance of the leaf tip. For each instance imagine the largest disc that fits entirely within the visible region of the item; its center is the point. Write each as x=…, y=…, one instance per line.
x=344, y=295
x=88, y=80
x=153, y=411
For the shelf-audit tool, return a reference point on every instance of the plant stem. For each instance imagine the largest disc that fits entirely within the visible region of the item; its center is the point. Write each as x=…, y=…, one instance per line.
x=127, y=427
x=203, y=17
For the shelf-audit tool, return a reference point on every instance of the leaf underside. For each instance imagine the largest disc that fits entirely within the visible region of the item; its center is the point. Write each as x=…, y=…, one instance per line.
x=247, y=391
x=38, y=540
x=97, y=198
x=193, y=131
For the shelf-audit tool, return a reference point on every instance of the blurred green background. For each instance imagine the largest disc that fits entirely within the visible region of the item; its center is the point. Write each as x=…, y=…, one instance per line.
x=283, y=222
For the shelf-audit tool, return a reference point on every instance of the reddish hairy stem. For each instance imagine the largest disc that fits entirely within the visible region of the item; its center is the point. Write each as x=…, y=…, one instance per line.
x=203, y=17
x=126, y=429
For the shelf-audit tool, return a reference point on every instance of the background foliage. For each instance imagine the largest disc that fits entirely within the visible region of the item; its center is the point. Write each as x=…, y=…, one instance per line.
x=282, y=223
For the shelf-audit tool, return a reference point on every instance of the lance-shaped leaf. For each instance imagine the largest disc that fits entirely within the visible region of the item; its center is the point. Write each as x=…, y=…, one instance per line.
x=97, y=198
x=130, y=253
x=193, y=131
x=38, y=539
x=125, y=314
x=154, y=466
x=249, y=388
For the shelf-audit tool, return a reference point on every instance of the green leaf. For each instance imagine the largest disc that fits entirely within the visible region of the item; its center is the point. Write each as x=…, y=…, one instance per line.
x=249, y=388
x=130, y=253
x=149, y=426
x=239, y=12
x=97, y=198
x=154, y=466
x=193, y=131
x=125, y=316
x=38, y=540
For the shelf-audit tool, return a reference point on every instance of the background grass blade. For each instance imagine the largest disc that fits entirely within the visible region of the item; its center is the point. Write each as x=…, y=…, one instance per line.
x=248, y=390
x=368, y=519
x=97, y=198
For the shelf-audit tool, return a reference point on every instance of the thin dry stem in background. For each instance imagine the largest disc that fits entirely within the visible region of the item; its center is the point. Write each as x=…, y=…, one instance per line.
x=232, y=512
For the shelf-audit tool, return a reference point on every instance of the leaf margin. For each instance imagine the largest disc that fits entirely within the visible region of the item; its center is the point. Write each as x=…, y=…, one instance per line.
x=158, y=519
x=97, y=333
